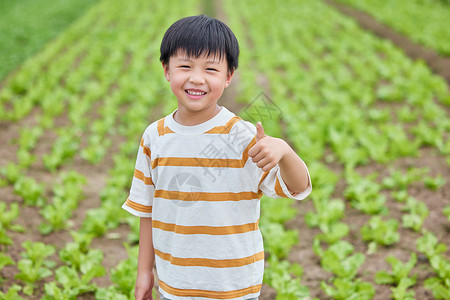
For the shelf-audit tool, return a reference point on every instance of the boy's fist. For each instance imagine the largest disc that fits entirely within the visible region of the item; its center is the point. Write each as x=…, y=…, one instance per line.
x=144, y=286
x=267, y=151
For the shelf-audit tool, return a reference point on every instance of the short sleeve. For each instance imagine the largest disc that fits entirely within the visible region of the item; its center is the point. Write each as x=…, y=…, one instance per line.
x=273, y=186
x=140, y=199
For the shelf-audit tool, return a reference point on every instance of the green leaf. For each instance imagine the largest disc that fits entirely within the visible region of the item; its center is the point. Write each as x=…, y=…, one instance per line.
x=333, y=232
x=446, y=212
x=5, y=260
x=434, y=183
x=380, y=231
x=110, y=293
x=428, y=244
x=400, y=292
x=349, y=289
x=12, y=293
x=383, y=277
x=5, y=239
x=37, y=252
x=337, y=259
x=437, y=288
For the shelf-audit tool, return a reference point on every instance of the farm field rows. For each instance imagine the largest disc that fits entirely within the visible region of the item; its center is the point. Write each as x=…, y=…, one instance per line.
x=425, y=22
x=22, y=37
x=371, y=124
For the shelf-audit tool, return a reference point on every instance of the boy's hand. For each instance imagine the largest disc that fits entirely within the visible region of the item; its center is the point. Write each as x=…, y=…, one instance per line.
x=144, y=286
x=268, y=151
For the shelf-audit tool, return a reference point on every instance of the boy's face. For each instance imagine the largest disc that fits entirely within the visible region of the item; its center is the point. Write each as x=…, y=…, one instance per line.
x=198, y=83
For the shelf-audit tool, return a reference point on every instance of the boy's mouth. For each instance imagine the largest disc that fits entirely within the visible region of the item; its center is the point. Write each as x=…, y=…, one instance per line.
x=195, y=92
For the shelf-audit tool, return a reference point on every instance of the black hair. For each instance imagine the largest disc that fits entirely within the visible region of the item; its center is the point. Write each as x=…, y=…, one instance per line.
x=199, y=35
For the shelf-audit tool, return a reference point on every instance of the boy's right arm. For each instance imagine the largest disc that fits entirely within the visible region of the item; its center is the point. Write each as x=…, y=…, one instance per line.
x=146, y=259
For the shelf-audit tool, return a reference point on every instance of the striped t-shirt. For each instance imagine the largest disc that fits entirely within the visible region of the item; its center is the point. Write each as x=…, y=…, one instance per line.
x=202, y=191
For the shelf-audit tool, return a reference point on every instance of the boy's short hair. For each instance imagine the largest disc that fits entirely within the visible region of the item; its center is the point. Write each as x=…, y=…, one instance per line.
x=199, y=35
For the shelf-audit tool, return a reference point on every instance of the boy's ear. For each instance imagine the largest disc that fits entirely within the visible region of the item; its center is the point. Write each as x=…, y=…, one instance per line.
x=166, y=71
x=229, y=77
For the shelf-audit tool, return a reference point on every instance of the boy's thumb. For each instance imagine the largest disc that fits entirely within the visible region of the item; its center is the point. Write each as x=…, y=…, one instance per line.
x=259, y=131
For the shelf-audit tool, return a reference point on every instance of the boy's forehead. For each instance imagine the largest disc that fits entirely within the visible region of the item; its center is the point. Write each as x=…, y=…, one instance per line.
x=211, y=58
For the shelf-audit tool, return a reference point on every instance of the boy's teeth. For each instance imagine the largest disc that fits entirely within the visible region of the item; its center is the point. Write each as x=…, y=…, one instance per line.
x=196, y=93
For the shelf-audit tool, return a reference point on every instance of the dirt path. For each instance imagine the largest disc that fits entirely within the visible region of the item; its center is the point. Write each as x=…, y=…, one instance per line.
x=439, y=64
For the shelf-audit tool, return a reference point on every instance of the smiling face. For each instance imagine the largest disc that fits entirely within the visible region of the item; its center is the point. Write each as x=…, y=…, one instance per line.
x=198, y=83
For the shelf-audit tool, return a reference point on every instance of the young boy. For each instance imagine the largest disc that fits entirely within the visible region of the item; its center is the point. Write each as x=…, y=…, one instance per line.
x=200, y=174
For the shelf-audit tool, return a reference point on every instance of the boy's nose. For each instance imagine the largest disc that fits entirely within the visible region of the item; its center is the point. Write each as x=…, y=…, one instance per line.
x=197, y=77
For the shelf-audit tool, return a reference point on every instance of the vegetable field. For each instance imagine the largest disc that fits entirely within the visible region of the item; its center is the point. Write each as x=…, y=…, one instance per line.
x=371, y=123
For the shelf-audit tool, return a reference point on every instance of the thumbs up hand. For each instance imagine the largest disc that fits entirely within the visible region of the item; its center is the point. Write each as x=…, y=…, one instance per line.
x=259, y=132
x=267, y=151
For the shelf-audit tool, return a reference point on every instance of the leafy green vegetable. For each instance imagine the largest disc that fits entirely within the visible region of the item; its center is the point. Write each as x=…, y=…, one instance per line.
x=34, y=265
x=278, y=275
x=441, y=266
x=29, y=136
x=434, y=183
x=401, y=180
x=7, y=216
x=418, y=211
x=134, y=223
x=83, y=240
x=12, y=293
x=124, y=276
x=400, y=291
x=331, y=233
x=112, y=292
x=63, y=149
x=98, y=221
x=279, y=213
x=399, y=271
x=438, y=288
x=349, y=289
x=364, y=193
x=4, y=261
x=30, y=273
x=96, y=150
x=5, y=239
x=328, y=212
x=380, y=232
x=30, y=191
x=429, y=245
x=74, y=257
x=72, y=284
x=57, y=216
x=446, y=212
x=25, y=158
x=400, y=196
x=12, y=172
x=277, y=240
x=67, y=194
x=338, y=260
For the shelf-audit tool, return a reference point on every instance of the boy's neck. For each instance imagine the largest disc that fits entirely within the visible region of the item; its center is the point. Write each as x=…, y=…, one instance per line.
x=187, y=118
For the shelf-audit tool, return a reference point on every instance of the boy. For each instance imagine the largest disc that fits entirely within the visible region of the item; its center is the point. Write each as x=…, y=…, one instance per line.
x=200, y=174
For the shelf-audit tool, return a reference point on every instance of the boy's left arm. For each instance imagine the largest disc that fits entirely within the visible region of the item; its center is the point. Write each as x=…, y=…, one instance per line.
x=269, y=151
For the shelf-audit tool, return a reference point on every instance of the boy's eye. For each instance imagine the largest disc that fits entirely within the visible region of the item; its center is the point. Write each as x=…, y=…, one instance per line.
x=211, y=69
x=184, y=66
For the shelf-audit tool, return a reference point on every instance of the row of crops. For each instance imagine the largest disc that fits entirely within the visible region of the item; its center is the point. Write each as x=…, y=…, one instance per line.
x=425, y=22
x=22, y=37
x=347, y=99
